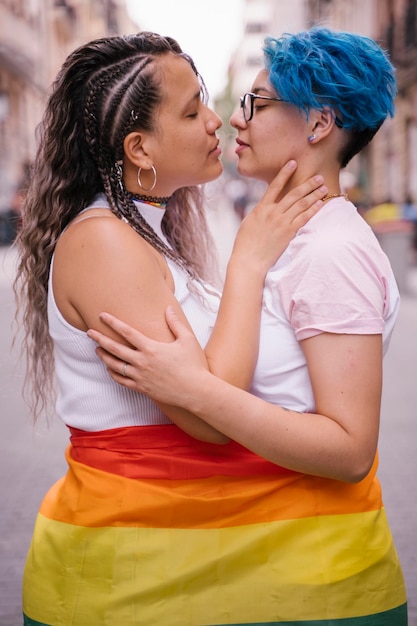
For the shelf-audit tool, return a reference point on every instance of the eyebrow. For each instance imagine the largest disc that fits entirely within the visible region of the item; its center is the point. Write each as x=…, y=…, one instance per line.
x=192, y=100
x=258, y=91
x=196, y=96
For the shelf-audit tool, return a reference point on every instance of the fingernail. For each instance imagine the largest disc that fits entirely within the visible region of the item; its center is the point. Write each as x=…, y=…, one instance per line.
x=319, y=179
x=291, y=165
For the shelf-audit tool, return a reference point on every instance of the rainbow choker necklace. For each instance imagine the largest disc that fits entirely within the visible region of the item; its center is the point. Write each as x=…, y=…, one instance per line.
x=153, y=200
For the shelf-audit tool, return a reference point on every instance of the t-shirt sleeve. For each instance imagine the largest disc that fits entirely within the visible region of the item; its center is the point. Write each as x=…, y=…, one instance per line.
x=335, y=287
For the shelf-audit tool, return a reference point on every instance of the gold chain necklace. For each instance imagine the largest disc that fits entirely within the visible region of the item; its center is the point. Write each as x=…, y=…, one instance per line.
x=335, y=195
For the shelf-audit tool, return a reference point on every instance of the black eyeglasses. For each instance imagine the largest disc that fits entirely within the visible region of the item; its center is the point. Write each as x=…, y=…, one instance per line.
x=247, y=104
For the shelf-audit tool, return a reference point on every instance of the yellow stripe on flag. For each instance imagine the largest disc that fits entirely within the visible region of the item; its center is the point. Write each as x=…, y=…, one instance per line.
x=174, y=576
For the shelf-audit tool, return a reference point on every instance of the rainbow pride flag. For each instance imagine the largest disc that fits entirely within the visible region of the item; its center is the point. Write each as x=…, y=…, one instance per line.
x=150, y=527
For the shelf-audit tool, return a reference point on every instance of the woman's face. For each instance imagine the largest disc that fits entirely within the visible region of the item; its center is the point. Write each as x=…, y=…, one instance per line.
x=276, y=133
x=184, y=147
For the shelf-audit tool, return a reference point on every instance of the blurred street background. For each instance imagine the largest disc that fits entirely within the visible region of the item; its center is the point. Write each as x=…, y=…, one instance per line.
x=225, y=39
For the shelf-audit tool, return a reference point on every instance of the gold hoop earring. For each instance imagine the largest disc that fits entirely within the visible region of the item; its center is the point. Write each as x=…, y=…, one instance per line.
x=154, y=179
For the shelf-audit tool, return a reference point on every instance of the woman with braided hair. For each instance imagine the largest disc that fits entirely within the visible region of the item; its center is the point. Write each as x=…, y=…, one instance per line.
x=113, y=220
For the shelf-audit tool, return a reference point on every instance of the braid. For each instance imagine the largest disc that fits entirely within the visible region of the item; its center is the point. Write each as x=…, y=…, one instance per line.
x=91, y=121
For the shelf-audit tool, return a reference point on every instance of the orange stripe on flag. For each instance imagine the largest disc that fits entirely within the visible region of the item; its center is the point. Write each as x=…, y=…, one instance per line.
x=90, y=497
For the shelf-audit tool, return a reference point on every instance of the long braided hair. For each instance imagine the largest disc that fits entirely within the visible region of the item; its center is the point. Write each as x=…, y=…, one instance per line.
x=105, y=89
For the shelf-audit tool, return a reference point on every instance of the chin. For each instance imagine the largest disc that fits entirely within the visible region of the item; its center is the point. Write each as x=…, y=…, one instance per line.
x=217, y=173
x=247, y=173
x=243, y=171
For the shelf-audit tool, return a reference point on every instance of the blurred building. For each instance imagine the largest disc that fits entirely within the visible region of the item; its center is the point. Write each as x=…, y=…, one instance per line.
x=35, y=38
x=387, y=169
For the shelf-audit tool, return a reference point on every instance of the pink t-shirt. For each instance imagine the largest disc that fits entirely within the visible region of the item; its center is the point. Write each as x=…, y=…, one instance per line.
x=333, y=277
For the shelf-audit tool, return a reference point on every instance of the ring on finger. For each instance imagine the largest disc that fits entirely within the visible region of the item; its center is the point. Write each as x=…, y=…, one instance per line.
x=123, y=372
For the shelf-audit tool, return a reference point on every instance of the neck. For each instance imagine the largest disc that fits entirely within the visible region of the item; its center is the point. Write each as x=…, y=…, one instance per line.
x=303, y=172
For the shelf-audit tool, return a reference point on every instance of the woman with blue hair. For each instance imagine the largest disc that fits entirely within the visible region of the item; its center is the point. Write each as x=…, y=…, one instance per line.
x=294, y=529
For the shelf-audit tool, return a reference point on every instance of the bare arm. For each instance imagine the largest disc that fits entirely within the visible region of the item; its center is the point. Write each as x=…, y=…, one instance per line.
x=339, y=441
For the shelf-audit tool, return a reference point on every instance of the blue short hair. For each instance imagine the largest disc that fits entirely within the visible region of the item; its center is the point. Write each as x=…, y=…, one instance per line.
x=322, y=68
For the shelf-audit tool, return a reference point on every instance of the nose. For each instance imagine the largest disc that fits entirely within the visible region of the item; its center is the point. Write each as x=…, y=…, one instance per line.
x=237, y=120
x=214, y=121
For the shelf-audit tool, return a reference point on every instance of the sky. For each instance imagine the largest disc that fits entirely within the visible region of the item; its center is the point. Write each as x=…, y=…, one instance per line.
x=208, y=31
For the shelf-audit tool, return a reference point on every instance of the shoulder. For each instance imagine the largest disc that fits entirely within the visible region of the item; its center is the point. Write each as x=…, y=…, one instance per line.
x=100, y=243
x=336, y=235
x=103, y=264
x=97, y=229
x=337, y=258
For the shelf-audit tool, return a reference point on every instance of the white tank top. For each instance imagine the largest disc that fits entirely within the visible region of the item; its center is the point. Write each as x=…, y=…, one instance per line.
x=88, y=398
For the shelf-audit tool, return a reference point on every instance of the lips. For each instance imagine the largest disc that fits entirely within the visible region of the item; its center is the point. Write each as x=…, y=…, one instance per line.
x=241, y=145
x=216, y=150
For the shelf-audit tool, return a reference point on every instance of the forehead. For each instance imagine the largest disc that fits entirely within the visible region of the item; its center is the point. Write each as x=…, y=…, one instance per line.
x=177, y=77
x=261, y=83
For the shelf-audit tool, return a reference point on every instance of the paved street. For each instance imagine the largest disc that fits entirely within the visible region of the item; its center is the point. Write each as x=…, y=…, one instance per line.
x=31, y=459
